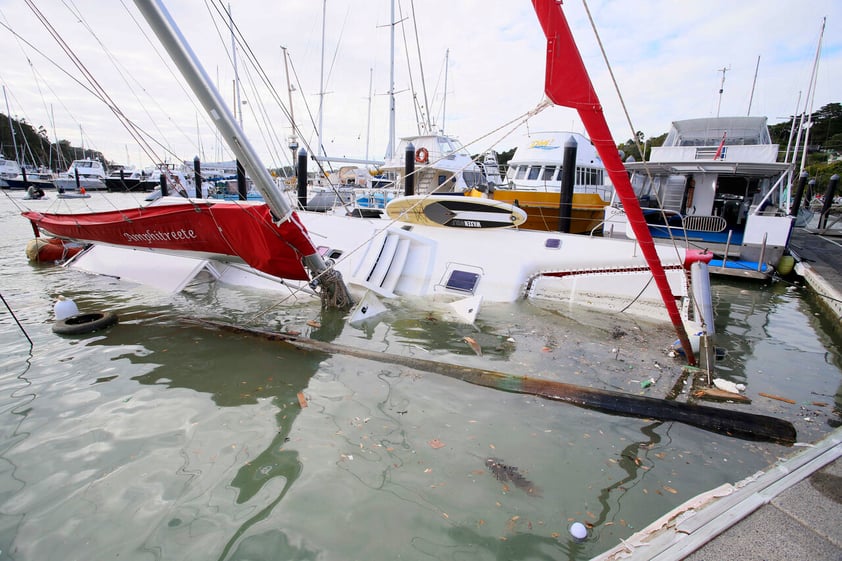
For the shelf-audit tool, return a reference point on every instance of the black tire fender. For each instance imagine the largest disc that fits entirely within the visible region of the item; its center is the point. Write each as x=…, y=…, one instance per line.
x=84, y=323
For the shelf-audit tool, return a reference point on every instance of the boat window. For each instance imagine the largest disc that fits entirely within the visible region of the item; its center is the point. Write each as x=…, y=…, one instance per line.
x=553, y=243
x=472, y=178
x=533, y=172
x=521, y=172
x=442, y=179
x=549, y=173
x=463, y=281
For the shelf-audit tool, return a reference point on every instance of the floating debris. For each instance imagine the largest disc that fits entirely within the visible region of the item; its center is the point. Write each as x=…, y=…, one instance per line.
x=504, y=472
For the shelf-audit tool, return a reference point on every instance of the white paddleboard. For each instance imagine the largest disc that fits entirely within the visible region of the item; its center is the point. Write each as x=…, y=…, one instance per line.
x=455, y=211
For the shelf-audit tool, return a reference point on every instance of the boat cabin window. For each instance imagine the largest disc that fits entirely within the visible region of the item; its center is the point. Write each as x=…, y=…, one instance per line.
x=533, y=172
x=549, y=173
x=521, y=172
x=472, y=178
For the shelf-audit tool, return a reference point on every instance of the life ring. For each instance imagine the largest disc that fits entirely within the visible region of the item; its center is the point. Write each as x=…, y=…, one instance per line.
x=422, y=155
x=84, y=323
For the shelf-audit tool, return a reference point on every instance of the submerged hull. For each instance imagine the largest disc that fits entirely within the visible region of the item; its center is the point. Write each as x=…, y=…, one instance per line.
x=390, y=259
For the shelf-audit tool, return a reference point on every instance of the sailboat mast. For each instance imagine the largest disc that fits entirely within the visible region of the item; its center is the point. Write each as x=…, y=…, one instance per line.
x=444, y=97
x=11, y=127
x=185, y=59
x=238, y=108
x=811, y=93
x=390, y=149
x=320, y=149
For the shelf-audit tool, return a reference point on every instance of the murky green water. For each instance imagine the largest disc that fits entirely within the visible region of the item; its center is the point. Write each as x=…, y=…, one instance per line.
x=163, y=439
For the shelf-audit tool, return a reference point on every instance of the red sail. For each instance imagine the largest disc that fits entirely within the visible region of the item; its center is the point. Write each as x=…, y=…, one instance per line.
x=219, y=230
x=567, y=83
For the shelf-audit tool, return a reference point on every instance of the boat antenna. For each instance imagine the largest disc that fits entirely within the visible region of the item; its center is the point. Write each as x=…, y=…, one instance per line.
x=334, y=292
x=721, y=87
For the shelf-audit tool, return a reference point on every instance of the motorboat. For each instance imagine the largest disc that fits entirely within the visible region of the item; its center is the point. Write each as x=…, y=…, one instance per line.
x=715, y=183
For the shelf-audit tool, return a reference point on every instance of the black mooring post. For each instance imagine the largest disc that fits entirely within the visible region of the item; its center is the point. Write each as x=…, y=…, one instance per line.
x=242, y=190
x=164, y=191
x=25, y=180
x=409, y=170
x=302, y=178
x=828, y=199
x=76, y=173
x=799, y=193
x=123, y=179
x=568, y=178
x=197, y=176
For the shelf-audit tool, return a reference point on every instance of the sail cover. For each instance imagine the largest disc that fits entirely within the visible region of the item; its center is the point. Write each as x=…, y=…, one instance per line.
x=218, y=230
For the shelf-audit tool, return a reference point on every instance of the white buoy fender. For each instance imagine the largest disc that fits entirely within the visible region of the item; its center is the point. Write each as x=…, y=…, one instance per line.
x=64, y=308
x=579, y=531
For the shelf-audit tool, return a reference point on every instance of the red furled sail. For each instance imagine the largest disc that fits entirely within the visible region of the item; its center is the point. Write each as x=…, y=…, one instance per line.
x=203, y=229
x=568, y=84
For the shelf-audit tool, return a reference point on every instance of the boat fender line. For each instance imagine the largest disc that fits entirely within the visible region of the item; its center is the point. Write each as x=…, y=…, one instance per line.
x=422, y=156
x=84, y=323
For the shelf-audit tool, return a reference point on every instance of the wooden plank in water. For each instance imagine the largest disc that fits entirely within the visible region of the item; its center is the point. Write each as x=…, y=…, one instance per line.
x=734, y=423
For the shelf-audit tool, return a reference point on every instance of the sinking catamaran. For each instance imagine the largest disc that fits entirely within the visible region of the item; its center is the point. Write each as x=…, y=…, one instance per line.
x=269, y=244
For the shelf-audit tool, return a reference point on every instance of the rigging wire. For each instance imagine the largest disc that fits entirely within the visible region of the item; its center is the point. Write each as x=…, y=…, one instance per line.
x=17, y=321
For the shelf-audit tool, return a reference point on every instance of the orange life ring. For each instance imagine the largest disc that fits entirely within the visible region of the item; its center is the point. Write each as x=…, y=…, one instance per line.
x=422, y=155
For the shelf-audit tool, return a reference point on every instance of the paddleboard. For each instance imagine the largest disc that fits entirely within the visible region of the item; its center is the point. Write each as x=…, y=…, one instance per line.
x=455, y=211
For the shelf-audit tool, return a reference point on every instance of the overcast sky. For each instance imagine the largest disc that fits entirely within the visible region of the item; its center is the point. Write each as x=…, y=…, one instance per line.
x=667, y=57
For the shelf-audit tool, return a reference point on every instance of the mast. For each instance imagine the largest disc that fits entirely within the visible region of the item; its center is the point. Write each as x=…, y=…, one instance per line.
x=11, y=128
x=390, y=148
x=721, y=87
x=238, y=108
x=293, y=137
x=567, y=84
x=753, y=83
x=191, y=69
x=319, y=148
x=811, y=93
x=444, y=97
x=368, y=118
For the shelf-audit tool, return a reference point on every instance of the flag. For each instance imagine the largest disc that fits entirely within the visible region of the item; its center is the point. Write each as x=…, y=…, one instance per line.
x=721, y=145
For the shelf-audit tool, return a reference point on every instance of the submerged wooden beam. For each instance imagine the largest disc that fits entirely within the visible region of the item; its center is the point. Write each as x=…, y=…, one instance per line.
x=734, y=423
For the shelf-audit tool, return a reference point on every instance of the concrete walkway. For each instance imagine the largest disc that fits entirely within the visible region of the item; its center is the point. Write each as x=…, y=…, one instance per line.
x=792, y=511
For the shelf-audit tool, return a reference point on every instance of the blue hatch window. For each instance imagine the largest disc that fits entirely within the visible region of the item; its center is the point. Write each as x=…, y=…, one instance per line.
x=463, y=281
x=553, y=243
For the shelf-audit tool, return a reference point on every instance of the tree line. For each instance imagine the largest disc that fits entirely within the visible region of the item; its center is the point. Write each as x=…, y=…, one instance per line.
x=31, y=146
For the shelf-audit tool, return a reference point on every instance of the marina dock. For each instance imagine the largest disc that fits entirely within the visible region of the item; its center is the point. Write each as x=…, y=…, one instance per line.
x=818, y=255
x=793, y=510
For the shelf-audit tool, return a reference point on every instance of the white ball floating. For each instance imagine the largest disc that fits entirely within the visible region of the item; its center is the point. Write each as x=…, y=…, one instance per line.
x=64, y=308
x=579, y=531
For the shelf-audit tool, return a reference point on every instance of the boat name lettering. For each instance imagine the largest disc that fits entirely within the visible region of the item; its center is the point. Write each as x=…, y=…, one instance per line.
x=158, y=236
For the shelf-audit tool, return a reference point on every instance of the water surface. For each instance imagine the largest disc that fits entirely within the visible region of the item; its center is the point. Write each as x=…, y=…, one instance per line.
x=163, y=439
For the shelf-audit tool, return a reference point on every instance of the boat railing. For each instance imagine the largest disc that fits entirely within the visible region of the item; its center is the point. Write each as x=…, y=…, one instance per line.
x=704, y=223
